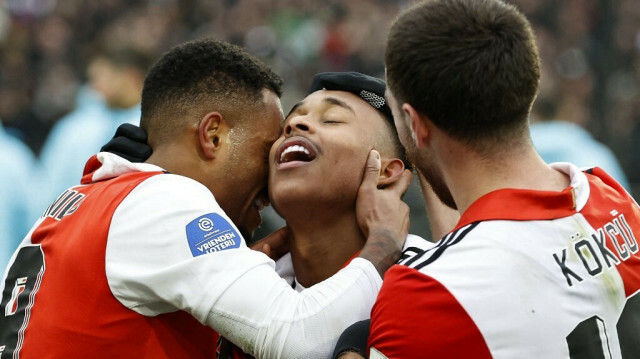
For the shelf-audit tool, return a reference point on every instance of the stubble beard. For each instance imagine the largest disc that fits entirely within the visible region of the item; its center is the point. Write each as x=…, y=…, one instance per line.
x=433, y=175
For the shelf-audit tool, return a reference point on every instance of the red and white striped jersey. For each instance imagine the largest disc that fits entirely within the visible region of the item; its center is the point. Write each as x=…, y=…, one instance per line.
x=57, y=301
x=525, y=274
x=138, y=263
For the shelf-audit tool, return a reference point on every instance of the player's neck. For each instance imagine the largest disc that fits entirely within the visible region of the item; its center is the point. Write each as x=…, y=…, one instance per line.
x=472, y=177
x=173, y=158
x=178, y=159
x=323, y=245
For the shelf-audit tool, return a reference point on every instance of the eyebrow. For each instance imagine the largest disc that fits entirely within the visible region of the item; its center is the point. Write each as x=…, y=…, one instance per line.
x=330, y=100
x=334, y=101
x=293, y=109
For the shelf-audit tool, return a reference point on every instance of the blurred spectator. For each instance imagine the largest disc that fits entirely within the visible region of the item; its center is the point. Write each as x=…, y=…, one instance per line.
x=111, y=98
x=16, y=213
x=558, y=140
x=633, y=158
x=590, y=52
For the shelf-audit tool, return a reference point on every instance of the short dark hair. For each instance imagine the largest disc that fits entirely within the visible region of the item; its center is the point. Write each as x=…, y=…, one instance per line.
x=471, y=66
x=399, y=151
x=208, y=74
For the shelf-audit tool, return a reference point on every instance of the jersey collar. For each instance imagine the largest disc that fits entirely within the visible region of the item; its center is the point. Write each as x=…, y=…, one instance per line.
x=522, y=205
x=106, y=165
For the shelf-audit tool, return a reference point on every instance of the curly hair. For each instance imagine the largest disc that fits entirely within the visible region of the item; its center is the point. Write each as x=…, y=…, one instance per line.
x=201, y=76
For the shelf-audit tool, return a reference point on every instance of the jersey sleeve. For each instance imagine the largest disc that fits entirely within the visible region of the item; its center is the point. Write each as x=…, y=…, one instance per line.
x=415, y=315
x=156, y=260
x=160, y=259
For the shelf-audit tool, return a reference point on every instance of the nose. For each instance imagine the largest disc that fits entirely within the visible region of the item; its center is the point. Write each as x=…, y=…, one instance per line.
x=297, y=124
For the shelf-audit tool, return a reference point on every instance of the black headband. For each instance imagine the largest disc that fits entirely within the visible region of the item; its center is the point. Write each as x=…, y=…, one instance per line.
x=370, y=89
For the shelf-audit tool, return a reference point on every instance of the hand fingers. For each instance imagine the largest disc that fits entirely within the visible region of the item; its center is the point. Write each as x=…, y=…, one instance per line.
x=266, y=249
x=372, y=170
x=276, y=253
x=274, y=245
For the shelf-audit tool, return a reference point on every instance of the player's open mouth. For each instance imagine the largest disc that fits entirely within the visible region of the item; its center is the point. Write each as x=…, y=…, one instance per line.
x=295, y=151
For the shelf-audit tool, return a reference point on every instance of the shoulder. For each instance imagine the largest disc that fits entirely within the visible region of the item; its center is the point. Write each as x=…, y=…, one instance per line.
x=476, y=262
x=419, y=253
x=416, y=313
x=174, y=210
x=169, y=196
x=449, y=294
x=176, y=187
x=184, y=184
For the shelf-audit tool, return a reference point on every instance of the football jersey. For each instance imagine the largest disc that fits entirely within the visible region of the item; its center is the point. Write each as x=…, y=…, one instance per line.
x=284, y=265
x=284, y=268
x=57, y=301
x=525, y=274
x=140, y=263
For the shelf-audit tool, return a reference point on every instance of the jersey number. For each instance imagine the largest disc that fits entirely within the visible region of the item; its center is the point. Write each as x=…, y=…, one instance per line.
x=20, y=287
x=590, y=340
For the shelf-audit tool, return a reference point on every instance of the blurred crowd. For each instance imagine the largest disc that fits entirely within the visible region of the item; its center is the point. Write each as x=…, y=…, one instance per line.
x=72, y=70
x=47, y=46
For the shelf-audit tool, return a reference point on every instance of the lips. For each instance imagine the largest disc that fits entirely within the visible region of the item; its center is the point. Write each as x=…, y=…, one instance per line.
x=295, y=151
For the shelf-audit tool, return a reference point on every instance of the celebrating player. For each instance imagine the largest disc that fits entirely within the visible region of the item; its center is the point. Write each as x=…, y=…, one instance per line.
x=131, y=263
x=544, y=261
x=317, y=164
x=316, y=167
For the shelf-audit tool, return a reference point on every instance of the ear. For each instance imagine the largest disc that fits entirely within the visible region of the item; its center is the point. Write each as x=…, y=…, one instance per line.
x=211, y=131
x=391, y=171
x=419, y=128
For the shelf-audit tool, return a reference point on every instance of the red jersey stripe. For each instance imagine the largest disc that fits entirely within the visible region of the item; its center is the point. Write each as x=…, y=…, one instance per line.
x=401, y=328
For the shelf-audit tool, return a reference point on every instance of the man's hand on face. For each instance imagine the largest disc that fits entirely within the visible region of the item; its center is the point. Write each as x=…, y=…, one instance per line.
x=382, y=215
x=274, y=245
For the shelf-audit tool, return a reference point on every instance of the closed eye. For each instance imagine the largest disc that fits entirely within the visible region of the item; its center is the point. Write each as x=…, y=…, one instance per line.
x=331, y=119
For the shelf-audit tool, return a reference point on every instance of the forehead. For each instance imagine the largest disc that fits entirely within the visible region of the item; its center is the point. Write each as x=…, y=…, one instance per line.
x=273, y=110
x=263, y=122
x=326, y=99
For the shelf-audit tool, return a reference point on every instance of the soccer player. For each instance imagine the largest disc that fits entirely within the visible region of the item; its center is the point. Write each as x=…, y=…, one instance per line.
x=316, y=167
x=317, y=164
x=544, y=261
x=134, y=260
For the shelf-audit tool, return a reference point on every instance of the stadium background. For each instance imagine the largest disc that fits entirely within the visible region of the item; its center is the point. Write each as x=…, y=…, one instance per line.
x=590, y=52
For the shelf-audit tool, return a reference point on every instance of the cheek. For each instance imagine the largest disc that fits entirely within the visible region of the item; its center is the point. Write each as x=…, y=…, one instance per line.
x=252, y=174
x=272, y=151
x=259, y=172
x=348, y=166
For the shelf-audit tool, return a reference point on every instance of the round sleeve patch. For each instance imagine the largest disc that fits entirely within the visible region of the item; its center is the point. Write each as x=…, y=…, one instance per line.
x=211, y=233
